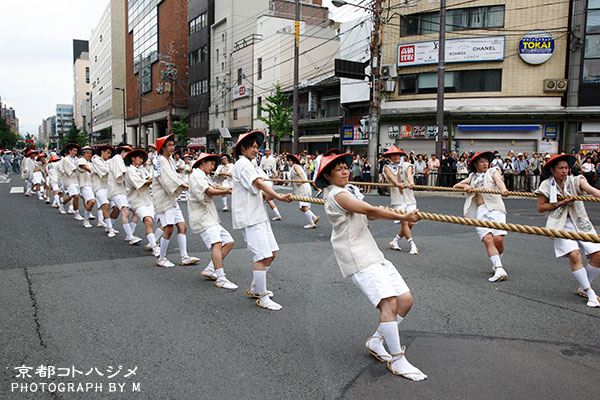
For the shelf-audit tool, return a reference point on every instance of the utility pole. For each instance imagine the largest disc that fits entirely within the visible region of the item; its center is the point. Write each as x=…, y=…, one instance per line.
x=139, y=135
x=441, y=72
x=295, y=143
x=375, y=104
x=168, y=75
x=91, y=115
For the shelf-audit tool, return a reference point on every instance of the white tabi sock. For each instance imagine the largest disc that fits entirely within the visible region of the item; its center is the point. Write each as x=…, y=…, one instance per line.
x=158, y=233
x=399, y=319
x=582, y=278
x=260, y=280
x=127, y=229
x=496, y=262
x=108, y=224
x=151, y=240
x=164, y=245
x=182, y=243
x=86, y=215
x=132, y=225
x=276, y=211
x=220, y=273
x=592, y=272
x=100, y=216
x=211, y=265
x=224, y=200
x=309, y=217
x=391, y=336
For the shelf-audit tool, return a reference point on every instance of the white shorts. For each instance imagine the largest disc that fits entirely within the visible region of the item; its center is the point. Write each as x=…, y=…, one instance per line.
x=73, y=189
x=55, y=187
x=405, y=207
x=260, y=240
x=562, y=247
x=101, y=197
x=215, y=234
x=380, y=281
x=170, y=217
x=145, y=211
x=120, y=201
x=493, y=216
x=226, y=183
x=303, y=204
x=37, y=178
x=87, y=193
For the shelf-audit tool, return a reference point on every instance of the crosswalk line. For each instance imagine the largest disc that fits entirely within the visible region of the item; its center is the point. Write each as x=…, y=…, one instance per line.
x=17, y=189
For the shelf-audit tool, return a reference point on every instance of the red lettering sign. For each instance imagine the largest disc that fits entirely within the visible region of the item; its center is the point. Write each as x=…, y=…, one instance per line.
x=407, y=54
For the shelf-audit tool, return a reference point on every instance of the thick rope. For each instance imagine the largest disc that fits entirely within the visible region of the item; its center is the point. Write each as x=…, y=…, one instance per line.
x=451, y=219
x=449, y=189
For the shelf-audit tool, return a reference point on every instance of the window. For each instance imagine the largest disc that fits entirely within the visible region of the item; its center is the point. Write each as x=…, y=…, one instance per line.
x=194, y=57
x=222, y=67
x=87, y=74
x=217, y=55
x=591, y=53
x=239, y=76
x=203, y=53
x=258, y=105
x=456, y=19
x=484, y=80
x=223, y=37
x=235, y=115
x=204, y=86
x=259, y=69
x=197, y=24
x=217, y=110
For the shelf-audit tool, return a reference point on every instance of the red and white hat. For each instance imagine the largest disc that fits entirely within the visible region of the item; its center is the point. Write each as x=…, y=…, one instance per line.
x=394, y=150
x=552, y=162
x=487, y=154
x=134, y=153
x=162, y=140
x=320, y=181
x=53, y=158
x=293, y=157
x=260, y=136
x=206, y=156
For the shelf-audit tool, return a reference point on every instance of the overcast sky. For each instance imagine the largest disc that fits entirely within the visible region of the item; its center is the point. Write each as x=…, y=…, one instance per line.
x=36, y=40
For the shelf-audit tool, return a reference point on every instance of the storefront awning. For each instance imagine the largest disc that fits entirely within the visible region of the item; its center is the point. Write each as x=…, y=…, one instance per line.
x=532, y=127
x=317, y=138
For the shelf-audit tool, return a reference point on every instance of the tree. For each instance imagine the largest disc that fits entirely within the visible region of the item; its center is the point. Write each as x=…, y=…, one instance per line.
x=74, y=135
x=279, y=118
x=8, y=138
x=180, y=129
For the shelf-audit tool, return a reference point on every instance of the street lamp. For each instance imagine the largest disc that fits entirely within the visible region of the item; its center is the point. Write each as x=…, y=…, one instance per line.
x=124, y=132
x=340, y=3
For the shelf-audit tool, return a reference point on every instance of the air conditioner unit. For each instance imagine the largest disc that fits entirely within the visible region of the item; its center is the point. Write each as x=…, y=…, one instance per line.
x=555, y=85
x=388, y=71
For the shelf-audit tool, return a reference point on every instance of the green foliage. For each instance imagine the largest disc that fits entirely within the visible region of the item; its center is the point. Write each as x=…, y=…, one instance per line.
x=8, y=138
x=180, y=129
x=279, y=118
x=74, y=135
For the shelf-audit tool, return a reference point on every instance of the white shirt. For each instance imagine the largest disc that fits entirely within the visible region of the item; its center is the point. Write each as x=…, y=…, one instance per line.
x=138, y=192
x=201, y=207
x=247, y=203
x=116, y=177
x=268, y=163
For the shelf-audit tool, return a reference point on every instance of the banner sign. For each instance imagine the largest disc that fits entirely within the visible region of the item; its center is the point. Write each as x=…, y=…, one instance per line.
x=489, y=48
x=536, y=47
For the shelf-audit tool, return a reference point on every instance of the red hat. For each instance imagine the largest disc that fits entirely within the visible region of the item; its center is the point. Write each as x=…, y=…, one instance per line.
x=487, y=154
x=41, y=155
x=320, y=181
x=121, y=147
x=332, y=152
x=69, y=146
x=206, y=156
x=187, y=155
x=152, y=145
x=552, y=162
x=53, y=159
x=30, y=152
x=161, y=141
x=103, y=147
x=293, y=157
x=135, y=153
x=260, y=136
x=394, y=150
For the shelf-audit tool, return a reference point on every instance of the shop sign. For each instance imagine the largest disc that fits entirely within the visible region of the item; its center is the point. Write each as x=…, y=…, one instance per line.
x=197, y=142
x=239, y=92
x=489, y=48
x=536, y=47
x=432, y=131
x=548, y=147
x=405, y=131
x=419, y=130
x=393, y=131
x=590, y=147
x=351, y=135
x=550, y=131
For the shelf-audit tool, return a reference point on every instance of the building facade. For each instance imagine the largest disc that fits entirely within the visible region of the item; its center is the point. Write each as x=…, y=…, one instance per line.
x=156, y=67
x=201, y=15
x=81, y=84
x=504, y=81
x=107, y=71
x=9, y=116
x=63, y=120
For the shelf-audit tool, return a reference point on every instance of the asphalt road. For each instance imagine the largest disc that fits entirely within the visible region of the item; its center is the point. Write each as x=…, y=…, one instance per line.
x=72, y=297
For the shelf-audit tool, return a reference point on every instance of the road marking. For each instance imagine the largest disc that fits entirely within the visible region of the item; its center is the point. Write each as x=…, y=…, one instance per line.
x=4, y=179
x=17, y=189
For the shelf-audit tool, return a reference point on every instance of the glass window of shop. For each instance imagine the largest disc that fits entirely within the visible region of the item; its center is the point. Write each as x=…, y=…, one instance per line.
x=591, y=54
